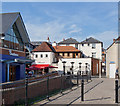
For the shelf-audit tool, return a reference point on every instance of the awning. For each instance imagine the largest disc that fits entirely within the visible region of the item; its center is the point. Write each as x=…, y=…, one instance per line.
x=43, y=66
x=32, y=68
x=19, y=60
x=24, y=60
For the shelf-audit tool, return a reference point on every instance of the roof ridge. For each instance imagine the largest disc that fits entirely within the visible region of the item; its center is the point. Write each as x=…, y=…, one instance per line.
x=45, y=46
x=11, y=13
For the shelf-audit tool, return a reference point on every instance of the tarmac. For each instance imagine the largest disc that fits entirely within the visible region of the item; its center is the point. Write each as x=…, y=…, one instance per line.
x=96, y=91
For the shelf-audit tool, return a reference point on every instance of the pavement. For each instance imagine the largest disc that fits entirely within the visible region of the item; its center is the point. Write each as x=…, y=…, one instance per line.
x=96, y=91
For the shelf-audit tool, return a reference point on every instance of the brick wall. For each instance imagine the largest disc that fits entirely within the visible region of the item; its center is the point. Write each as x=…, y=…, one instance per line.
x=6, y=52
x=35, y=88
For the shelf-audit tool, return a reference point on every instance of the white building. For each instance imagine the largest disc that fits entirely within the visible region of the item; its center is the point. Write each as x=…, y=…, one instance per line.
x=44, y=54
x=91, y=48
x=112, y=58
x=93, y=66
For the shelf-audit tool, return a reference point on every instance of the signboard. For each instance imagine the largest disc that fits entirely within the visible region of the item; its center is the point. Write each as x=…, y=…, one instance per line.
x=13, y=54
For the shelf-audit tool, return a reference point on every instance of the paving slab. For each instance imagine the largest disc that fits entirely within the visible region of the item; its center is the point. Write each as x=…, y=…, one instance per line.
x=97, y=91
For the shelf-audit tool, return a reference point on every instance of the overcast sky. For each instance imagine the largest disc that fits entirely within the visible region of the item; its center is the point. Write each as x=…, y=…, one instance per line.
x=68, y=19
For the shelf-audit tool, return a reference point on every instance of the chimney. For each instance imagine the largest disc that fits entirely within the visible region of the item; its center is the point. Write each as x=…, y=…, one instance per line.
x=54, y=44
x=114, y=40
x=48, y=40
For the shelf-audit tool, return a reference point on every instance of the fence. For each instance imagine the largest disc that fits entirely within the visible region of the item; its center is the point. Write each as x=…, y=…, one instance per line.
x=16, y=91
x=32, y=89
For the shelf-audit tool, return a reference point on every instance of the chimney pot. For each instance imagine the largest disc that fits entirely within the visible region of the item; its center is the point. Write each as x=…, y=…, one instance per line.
x=113, y=40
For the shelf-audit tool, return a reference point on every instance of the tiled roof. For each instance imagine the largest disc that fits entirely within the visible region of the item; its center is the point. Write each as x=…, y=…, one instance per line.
x=90, y=40
x=69, y=41
x=7, y=20
x=115, y=41
x=44, y=47
x=65, y=49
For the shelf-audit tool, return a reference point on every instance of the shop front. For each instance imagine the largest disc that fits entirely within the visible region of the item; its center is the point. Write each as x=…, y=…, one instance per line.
x=13, y=67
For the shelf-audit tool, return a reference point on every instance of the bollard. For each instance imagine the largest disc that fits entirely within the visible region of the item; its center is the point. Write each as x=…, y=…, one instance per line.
x=82, y=90
x=48, y=88
x=26, y=86
x=71, y=81
x=77, y=80
x=87, y=75
x=116, y=91
x=61, y=85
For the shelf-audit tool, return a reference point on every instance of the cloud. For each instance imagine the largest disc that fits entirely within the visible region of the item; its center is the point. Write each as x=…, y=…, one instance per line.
x=72, y=26
x=56, y=30
x=74, y=29
x=39, y=32
x=106, y=37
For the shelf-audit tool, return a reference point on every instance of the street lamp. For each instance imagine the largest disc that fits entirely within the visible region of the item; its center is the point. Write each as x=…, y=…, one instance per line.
x=64, y=67
x=80, y=67
x=86, y=68
x=72, y=67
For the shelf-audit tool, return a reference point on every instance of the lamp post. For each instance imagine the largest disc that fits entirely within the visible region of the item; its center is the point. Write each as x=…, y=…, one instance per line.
x=80, y=67
x=64, y=67
x=86, y=67
x=72, y=67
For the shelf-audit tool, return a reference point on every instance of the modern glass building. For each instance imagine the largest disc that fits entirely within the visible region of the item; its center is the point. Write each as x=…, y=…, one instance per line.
x=13, y=41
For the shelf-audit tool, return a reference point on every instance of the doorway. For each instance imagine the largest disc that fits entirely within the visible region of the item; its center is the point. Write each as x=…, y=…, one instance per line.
x=12, y=73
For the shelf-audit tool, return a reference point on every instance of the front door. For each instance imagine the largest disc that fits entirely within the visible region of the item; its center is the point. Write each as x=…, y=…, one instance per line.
x=12, y=73
x=112, y=70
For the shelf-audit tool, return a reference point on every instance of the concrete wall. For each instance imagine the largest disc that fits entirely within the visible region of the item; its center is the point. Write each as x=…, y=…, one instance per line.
x=111, y=56
x=87, y=50
x=44, y=59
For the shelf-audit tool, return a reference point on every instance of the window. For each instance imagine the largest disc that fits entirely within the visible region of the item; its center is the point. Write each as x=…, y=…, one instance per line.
x=63, y=54
x=13, y=39
x=67, y=44
x=88, y=44
x=82, y=44
x=76, y=46
x=36, y=56
x=46, y=55
x=41, y=56
x=93, y=46
x=68, y=54
x=76, y=54
x=94, y=55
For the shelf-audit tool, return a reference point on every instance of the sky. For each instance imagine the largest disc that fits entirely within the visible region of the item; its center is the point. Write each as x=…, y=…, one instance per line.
x=59, y=20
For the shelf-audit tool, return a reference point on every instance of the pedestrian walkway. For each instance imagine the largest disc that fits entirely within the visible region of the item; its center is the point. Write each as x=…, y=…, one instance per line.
x=97, y=91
